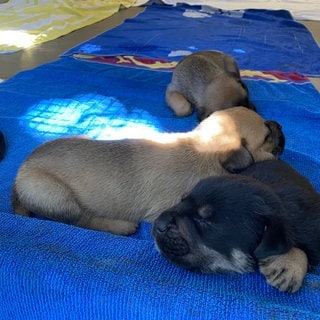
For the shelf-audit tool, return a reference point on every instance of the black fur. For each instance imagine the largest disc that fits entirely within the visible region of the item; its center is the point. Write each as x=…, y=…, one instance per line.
x=264, y=211
x=300, y=200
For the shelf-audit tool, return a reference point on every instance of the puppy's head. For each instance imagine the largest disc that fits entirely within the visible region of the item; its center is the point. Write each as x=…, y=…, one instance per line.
x=225, y=224
x=241, y=136
x=210, y=81
x=225, y=89
x=224, y=92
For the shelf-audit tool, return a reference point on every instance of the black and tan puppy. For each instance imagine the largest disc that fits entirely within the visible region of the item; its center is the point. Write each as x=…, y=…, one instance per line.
x=267, y=217
x=208, y=81
x=113, y=185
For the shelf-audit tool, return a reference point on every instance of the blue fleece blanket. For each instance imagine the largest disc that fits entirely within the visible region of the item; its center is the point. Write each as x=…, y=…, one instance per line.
x=257, y=39
x=49, y=270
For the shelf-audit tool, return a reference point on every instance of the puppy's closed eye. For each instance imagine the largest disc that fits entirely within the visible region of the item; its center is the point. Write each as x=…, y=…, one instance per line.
x=205, y=211
x=202, y=218
x=202, y=224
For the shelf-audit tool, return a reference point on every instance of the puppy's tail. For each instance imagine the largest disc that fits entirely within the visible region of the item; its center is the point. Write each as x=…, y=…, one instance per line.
x=17, y=206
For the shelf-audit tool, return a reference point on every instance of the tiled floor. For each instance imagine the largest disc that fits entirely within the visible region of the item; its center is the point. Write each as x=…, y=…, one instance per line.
x=10, y=64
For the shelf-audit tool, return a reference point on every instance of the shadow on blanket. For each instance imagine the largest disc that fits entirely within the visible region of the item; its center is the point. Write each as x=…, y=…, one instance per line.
x=55, y=271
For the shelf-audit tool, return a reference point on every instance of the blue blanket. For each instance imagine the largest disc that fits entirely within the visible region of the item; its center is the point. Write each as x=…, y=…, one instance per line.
x=49, y=270
x=257, y=39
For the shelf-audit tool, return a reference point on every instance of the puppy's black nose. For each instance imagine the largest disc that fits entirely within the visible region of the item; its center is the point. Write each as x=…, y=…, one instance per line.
x=278, y=137
x=163, y=222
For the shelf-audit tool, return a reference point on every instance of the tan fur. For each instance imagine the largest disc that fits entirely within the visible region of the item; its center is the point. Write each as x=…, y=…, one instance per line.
x=113, y=185
x=286, y=271
x=208, y=81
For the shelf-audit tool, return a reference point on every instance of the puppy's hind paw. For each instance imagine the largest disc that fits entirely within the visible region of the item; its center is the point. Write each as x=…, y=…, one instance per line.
x=178, y=103
x=120, y=227
x=285, y=271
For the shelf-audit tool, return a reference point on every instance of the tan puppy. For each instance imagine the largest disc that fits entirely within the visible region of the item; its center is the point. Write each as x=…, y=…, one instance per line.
x=113, y=185
x=208, y=81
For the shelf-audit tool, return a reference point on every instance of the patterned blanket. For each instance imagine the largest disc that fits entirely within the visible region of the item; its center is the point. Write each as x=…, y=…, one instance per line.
x=258, y=39
x=54, y=271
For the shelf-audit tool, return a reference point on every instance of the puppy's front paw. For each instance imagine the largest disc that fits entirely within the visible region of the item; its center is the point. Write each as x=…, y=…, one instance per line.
x=285, y=271
x=120, y=227
x=178, y=103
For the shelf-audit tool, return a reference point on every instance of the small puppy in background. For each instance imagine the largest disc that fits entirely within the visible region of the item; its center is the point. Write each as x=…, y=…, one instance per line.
x=208, y=81
x=268, y=217
x=114, y=185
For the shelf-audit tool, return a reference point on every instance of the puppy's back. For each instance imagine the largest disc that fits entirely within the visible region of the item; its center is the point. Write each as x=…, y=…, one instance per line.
x=107, y=176
x=203, y=67
x=278, y=172
x=300, y=199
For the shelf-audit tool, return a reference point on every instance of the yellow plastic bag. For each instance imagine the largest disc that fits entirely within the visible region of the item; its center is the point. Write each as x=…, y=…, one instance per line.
x=26, y=23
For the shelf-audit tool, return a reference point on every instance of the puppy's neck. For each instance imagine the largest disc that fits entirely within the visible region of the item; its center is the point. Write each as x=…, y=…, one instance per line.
x=200, y=142
x=221, y=142
x=218, y=133
x=174, y=138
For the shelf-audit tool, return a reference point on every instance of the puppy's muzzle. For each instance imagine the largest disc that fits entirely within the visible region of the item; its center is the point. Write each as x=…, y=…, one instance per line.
x=167, y=236
x=164, y=223
x=277, y=136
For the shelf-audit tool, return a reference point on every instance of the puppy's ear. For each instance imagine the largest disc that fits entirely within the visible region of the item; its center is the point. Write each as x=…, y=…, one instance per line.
x=275, y=240
x=231, y=67
x=239, y=159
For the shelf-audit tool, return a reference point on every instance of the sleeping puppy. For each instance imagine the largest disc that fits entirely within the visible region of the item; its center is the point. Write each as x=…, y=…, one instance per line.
x=113, y=185
x=208, y=81
x=267, y=217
